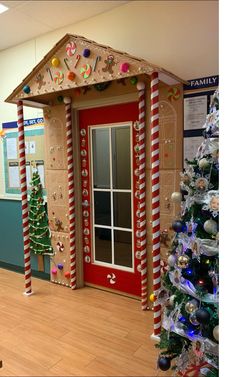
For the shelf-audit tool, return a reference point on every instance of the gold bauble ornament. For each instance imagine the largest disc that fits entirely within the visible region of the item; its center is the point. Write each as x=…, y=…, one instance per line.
x=183, y=261
x=216, y=333
x=152, y=297
x=55, y=62
x=191, y=306
x=176, y=197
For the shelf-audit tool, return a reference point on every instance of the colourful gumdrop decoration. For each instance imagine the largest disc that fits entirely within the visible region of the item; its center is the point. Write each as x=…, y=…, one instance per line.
x=60, y=266
x=86, y=52
x=55, y=62
x=71, y=75
x=133, y=80
x=124, y=67
x=85, y=71
x=54, y=271
x=26, y=89
x=70, y=48
x=67, y=274
x=59, y=77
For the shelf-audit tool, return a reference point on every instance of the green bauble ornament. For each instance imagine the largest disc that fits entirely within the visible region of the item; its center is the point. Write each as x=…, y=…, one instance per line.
x=133, y=80
x=102, y=86
x=60, y=99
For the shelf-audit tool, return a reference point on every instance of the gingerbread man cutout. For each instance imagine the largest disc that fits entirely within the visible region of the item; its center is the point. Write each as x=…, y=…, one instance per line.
x=39, y=80
x=109, y=64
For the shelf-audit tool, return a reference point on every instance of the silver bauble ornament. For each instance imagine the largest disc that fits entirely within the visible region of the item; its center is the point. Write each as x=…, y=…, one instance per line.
x=162, y=296
x=191, y=306
x=176, y=197
x=203, y=163
x=210, y=226
x=67, y=100
x=170, y=302
x=140, y=85
x=171, y=260
x=183, y=261
x=193, y=319
x=216, y=333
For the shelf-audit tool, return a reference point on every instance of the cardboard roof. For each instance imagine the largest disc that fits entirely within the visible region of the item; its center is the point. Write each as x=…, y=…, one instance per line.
x=76, y=62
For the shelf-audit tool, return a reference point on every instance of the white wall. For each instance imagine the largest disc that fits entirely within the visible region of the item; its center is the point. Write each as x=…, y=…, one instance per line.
x=180, y=36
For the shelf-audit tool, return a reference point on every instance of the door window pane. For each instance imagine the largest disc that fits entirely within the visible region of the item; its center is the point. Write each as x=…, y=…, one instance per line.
x=123, y=248
x=122, y=209
x=121, y=173
x=102, y=207
x=103, y=251
x=101, y=158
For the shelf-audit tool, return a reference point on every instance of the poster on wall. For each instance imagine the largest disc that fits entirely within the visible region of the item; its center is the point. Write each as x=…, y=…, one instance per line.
x=34, y=151
x=195, y=111
x=191, y=145
x=197, y=97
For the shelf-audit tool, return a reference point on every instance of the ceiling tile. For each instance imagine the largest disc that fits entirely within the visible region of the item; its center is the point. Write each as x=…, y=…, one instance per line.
x=29, y=19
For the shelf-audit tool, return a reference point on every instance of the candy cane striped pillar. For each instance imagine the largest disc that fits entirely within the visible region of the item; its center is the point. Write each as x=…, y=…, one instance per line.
x=142, y=208
x=23, y=187
x=155, y=199
x=67, y=102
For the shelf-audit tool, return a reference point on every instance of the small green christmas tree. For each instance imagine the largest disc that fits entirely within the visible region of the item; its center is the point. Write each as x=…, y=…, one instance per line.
x=39, y=233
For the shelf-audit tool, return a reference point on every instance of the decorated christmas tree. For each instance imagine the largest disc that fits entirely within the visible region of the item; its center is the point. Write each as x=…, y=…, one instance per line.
x=190, y=288
x=39, y=233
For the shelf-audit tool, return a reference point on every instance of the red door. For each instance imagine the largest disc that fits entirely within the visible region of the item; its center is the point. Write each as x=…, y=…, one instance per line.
x=109, y=175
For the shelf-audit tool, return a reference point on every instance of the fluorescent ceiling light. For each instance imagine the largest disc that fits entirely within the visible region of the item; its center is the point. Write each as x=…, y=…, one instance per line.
x=3, y=8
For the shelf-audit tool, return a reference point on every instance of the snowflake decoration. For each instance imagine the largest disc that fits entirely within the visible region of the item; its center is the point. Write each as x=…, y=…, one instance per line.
x=195, y=247
x=201, y=184
x=212, y=202
x=186, y=177
x=182, y=361
x=191, y=227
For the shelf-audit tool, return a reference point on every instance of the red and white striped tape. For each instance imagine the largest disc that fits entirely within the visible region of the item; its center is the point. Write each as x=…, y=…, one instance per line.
x=71, y=193
x=23, y=186
x=142, y=218
x=155, y=162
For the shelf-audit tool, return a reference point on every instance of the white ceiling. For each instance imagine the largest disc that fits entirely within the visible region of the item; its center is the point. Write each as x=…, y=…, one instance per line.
x=29, y=19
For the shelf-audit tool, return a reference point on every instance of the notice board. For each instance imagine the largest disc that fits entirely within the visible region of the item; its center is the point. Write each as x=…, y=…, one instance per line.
x=34, y=153
x=197, y=98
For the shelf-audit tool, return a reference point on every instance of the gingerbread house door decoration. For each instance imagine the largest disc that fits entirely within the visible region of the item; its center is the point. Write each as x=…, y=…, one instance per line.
x=112, y=125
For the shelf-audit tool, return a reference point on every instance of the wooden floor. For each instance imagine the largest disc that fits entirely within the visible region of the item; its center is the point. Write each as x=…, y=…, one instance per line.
x=60, y=332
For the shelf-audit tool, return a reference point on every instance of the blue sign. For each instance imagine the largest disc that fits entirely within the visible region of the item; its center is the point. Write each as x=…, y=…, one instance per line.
x=27, y=122
x=202, y=82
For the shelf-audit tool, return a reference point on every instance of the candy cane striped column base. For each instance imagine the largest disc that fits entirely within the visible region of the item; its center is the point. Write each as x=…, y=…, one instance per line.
x=155, y=338
x=28, y=294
